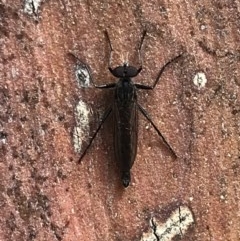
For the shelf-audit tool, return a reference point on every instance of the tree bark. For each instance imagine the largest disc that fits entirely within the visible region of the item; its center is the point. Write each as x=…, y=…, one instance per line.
x=49, y=111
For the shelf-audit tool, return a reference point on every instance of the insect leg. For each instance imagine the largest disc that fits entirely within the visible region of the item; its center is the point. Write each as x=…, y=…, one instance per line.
x=73, y=56
x=89, y=72
x=146, y=87
x=144, y=112
x=105, y=116
x=105, y=86
x=111, y=50
x=83, y=65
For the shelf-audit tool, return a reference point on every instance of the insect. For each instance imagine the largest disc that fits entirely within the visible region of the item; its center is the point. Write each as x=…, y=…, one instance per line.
x=125, y=110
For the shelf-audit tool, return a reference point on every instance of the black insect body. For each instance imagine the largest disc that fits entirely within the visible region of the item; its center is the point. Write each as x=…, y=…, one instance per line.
x=125, y=109
x=125, y=125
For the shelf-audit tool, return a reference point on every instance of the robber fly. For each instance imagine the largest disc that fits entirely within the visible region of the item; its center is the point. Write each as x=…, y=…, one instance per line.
x=125, y=110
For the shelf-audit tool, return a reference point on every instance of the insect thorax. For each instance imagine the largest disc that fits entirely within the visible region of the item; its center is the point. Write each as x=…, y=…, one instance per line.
x=125, y=91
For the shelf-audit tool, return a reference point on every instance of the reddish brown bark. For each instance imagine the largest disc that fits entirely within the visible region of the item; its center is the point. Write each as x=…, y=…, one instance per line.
x=45, y=194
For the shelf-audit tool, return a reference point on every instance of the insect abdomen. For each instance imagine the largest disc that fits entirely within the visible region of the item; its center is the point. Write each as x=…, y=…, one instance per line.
x=125, y=129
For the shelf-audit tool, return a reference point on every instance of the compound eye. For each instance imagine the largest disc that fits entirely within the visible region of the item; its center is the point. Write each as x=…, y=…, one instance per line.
x=125, y=71
x=131, y=71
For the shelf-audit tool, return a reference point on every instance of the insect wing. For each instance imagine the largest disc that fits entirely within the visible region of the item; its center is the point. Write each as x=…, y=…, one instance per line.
x=125, y=134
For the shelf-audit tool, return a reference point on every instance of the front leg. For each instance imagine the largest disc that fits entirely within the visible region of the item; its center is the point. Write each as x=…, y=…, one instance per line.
x=83, y=74
x=151, y=87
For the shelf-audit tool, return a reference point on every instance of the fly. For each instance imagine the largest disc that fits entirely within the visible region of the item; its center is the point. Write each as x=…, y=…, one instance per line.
x=125, y=110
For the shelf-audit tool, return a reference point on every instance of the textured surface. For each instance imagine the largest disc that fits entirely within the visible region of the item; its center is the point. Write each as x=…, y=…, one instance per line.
x=44, y=194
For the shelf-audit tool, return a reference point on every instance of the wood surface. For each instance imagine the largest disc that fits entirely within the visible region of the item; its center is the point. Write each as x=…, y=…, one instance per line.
x=44, y=194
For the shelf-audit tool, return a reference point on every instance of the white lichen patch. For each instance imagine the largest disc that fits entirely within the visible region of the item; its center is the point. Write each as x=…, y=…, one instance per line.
x=82, y=76
x=3, y=137
x=177, y=224
x=32, y=6
x=200, y=80
x=81, y=129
